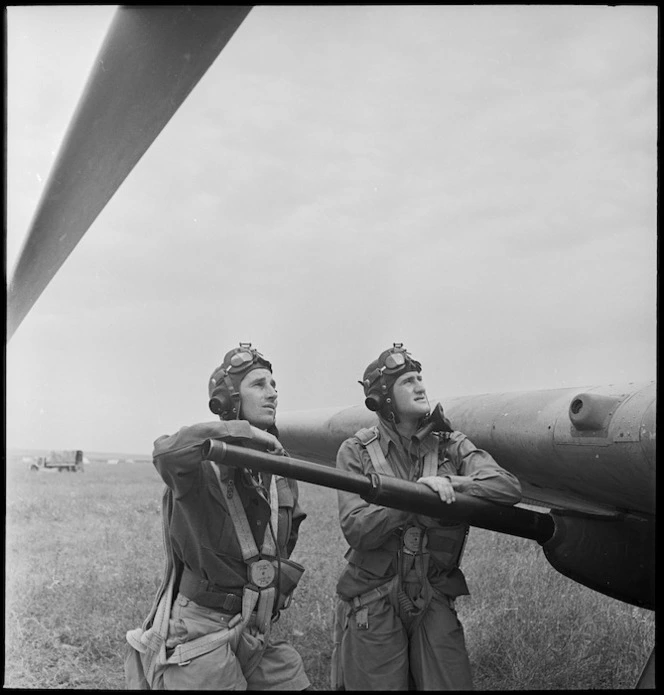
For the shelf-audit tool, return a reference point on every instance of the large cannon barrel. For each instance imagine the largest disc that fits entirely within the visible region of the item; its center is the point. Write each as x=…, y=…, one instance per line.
x=390, y=492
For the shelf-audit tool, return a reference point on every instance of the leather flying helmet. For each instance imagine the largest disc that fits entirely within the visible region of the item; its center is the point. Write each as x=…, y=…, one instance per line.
x=380, y=376
x=224, y=384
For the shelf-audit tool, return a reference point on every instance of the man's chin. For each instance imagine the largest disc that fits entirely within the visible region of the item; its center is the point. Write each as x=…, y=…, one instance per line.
x=267, y=422
x=263, y=422
x=420, y=412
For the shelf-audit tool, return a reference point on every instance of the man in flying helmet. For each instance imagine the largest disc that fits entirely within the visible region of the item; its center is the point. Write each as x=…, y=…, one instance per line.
x=228, y=534
x=396, y=625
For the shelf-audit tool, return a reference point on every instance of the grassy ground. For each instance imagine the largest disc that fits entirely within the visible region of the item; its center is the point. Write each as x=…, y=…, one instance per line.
x=84, y=559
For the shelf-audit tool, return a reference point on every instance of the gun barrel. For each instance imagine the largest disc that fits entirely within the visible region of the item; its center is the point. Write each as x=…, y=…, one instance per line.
x=390, y=492
x=288, y=467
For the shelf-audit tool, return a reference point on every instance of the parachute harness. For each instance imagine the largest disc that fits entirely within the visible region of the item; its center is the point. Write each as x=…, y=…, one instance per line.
x=261, y=587
x=412, y=586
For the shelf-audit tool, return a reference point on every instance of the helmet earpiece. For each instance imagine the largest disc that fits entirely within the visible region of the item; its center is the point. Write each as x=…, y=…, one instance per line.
x=217, y=405
x=374, y=402
x=379, y=403
x=226, y=401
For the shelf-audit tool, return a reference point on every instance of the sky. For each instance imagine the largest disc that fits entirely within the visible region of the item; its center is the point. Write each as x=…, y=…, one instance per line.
x=476, y=182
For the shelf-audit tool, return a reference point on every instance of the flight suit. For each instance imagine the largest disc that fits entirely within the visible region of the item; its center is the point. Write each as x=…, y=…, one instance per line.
x=209, y=573
x=396, y=625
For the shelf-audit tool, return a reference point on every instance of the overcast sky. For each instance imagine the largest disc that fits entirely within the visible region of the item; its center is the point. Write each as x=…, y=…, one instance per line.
x=477, y=182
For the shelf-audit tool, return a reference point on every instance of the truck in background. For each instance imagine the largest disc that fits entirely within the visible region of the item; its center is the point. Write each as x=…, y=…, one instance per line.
x=60, y=460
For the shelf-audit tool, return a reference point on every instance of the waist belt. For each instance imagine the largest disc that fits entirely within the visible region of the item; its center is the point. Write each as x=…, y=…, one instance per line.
x=207, y=594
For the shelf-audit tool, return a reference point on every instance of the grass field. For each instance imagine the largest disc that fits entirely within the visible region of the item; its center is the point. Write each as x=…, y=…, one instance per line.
x=84, y=559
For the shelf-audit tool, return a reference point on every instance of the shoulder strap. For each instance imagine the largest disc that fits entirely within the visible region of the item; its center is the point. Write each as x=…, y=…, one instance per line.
x=241, y=524
x=266, y=596
x=368, y=438
x=430, y=466
x=367, y=435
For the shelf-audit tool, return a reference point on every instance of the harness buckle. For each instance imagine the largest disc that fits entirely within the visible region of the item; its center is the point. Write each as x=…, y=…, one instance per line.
x=262, y=573
x=362, y=618
x=413, y=540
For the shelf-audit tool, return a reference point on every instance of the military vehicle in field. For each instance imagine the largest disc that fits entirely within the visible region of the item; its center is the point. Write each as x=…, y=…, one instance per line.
x=71, y=460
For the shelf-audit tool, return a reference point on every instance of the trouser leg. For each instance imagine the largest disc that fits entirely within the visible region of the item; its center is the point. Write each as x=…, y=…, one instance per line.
x=438, y=656
x=375, y=658
x=279, y=666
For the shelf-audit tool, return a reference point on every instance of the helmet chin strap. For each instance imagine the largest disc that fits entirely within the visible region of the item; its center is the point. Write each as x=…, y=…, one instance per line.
x=236, y=403
x=389, y=402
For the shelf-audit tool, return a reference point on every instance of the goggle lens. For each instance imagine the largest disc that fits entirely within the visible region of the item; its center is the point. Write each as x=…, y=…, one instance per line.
x=395, y=360
x=240, y=359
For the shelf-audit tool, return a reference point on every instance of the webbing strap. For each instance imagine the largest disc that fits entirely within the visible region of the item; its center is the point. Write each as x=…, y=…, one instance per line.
x=430, y=466
x=152, y=643
x=185, y=652
x=373, y=595
x=369, y=439
x=265, y=597
x=378, y=458
x=239, y=517
x=264, y=610
x=150, y=639
x=269, y=548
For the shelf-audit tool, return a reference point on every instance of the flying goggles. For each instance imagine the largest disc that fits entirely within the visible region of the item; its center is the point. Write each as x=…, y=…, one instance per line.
x=244, y=356
x=394, y=361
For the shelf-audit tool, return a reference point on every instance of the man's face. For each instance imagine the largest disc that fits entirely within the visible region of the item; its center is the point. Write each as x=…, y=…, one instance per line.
x=409, y=396
x=258, y=395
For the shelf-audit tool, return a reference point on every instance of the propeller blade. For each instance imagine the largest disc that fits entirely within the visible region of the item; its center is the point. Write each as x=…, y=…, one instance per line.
x=151, y=59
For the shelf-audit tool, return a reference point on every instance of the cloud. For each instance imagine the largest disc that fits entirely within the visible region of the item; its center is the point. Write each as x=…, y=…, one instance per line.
x=478, y=182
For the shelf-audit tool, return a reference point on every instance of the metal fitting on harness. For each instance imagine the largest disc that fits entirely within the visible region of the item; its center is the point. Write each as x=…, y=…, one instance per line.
x=261, y=573
x=413, y=540
x=362, y=618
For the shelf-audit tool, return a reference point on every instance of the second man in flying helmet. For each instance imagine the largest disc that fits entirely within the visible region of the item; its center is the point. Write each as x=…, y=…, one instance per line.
x=396, y=624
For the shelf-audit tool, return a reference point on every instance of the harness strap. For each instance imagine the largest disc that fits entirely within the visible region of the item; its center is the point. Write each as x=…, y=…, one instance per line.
x=368, y=597
x=359, y=605
x=150, y=642
x=185, y=652
x=239, y=517
x=407, y=564
x=430, y=466
x=150, y=639
x=265, y=597
x=264, y=612
x=414, y=568
x=368, y=437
